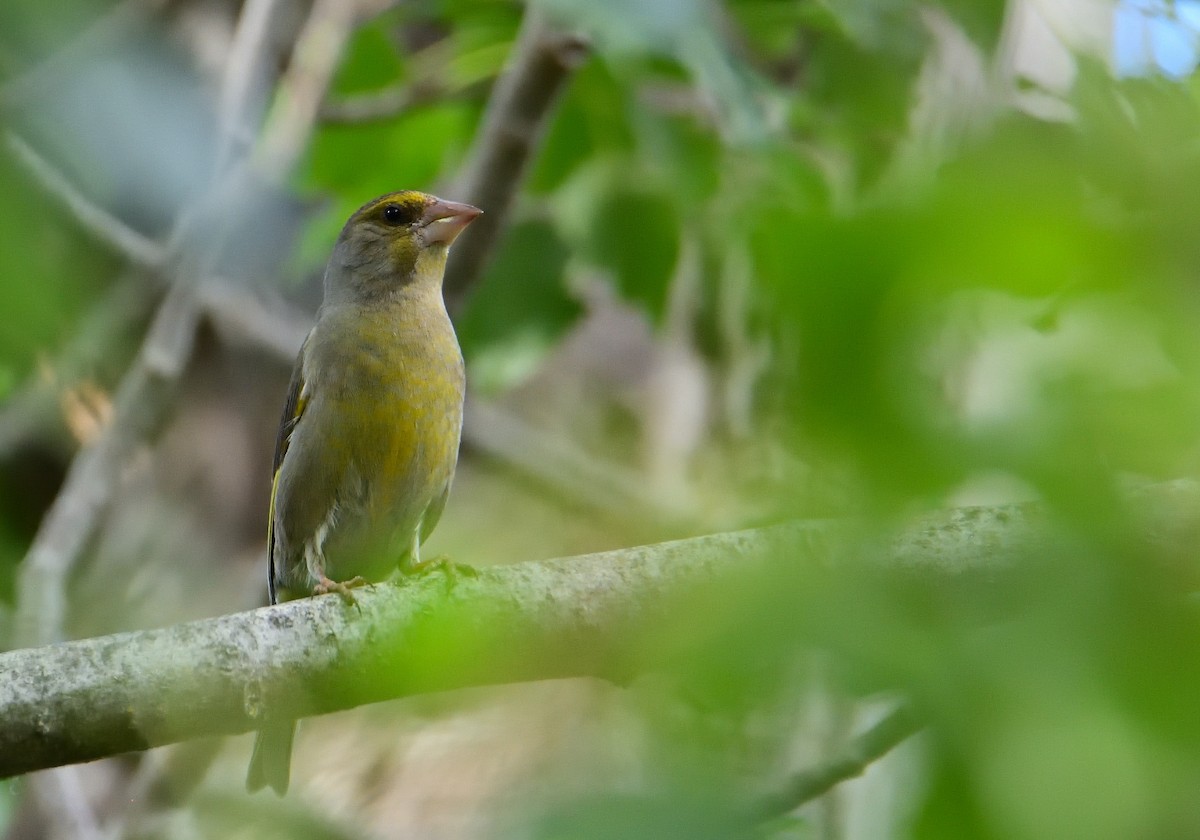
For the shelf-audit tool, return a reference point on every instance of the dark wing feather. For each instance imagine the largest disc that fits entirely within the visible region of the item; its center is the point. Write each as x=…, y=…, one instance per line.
x=433, y=513
x=293, y=408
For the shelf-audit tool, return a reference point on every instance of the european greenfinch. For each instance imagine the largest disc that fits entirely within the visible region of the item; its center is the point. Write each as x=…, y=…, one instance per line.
x=368, y=443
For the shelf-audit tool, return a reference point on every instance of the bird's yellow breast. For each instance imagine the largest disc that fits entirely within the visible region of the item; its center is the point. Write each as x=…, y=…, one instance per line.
x=390, y=381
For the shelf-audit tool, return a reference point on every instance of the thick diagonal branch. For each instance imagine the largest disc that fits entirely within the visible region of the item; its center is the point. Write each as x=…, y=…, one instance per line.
x=517, y=113
x=571, y=617
x=594, y=615
x=580, y=616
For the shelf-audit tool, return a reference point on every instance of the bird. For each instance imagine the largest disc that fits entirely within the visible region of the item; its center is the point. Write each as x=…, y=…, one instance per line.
x=368, y=442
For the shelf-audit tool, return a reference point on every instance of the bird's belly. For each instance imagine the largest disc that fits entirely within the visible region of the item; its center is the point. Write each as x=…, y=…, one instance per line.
x=401, y=457
x=376, y=445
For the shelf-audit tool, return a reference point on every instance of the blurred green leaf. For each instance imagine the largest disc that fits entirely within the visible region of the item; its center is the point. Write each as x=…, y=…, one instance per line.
x=513, y=318
x=636, y=236
x=591, y=122
x=49, y=269
x=28, y=32
x=373, y=59
x=982, y=20
x=685, y=817
x=410, y=152
x=9, y=800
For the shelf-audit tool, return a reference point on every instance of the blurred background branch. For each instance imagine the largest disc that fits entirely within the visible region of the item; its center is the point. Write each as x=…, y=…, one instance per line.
x=542, y=60
x=315, y=57
x=139, y=250
x=381, y=105
x=896, y=726
x=139, y=408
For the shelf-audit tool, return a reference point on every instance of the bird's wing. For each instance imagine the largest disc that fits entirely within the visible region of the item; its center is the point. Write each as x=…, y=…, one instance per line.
x=433, y=513
x=293, y=408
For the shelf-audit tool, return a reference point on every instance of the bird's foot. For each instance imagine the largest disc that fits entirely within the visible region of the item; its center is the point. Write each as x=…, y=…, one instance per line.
x=342, y=588
x=453, y=571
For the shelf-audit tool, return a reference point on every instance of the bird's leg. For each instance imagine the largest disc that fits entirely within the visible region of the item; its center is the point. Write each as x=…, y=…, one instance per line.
x=342, y=587
x=314, y=559
x=413, y=566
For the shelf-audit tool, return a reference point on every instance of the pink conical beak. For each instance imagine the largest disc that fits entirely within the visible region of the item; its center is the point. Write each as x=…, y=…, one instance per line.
x=443, y=221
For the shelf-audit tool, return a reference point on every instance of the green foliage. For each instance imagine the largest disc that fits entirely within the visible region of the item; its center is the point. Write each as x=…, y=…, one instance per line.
x=1021, y=309
x=413, y=149
x=636, y=236
x=373, y=60
x=28, y=33
x=590, y=123
x=48, y=276
x=981, y=20
x=9, y=798
x=1016, y=303
x=519, y=310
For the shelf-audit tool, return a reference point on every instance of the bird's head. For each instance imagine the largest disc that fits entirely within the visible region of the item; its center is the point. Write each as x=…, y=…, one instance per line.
x=396, y=240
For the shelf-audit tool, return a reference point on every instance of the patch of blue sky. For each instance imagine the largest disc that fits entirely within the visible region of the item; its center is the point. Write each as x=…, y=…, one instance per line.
x=1151, y=35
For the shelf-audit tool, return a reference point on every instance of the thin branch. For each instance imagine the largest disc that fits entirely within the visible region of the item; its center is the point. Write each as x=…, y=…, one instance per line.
x=247, y=56
x=302, y=89
x=147, y=390
x=68, y=525
x=144, y=396
x=517, y=112
x=240, y=315
x=140, y=405
x=897, y=726
x=426, y=83
x=107, y=228
x=385, y=104
x=563, y=466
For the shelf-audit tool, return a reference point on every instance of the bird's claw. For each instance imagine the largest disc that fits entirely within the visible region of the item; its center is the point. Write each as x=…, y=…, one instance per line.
x=341, y=588
x=453, y=571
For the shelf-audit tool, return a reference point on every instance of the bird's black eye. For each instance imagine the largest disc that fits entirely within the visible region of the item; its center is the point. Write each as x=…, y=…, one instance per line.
x=393, y=214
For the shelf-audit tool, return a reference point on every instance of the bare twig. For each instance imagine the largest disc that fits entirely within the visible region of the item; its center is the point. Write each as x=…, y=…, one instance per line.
x=896, y=727
x=315, y=57
x=242, y=316
x=71, y=520
x=563, y=466
x=246, y=57
x=517, y=112
x=140, y=406
x=147, y=389
x=239, y=315
x=385, y=104
x=426, y=83
x=69, y=524
x=106, y=227
x=142, y=398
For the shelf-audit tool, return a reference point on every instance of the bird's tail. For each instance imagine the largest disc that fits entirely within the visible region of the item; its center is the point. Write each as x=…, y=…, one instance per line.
x=272, y=758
